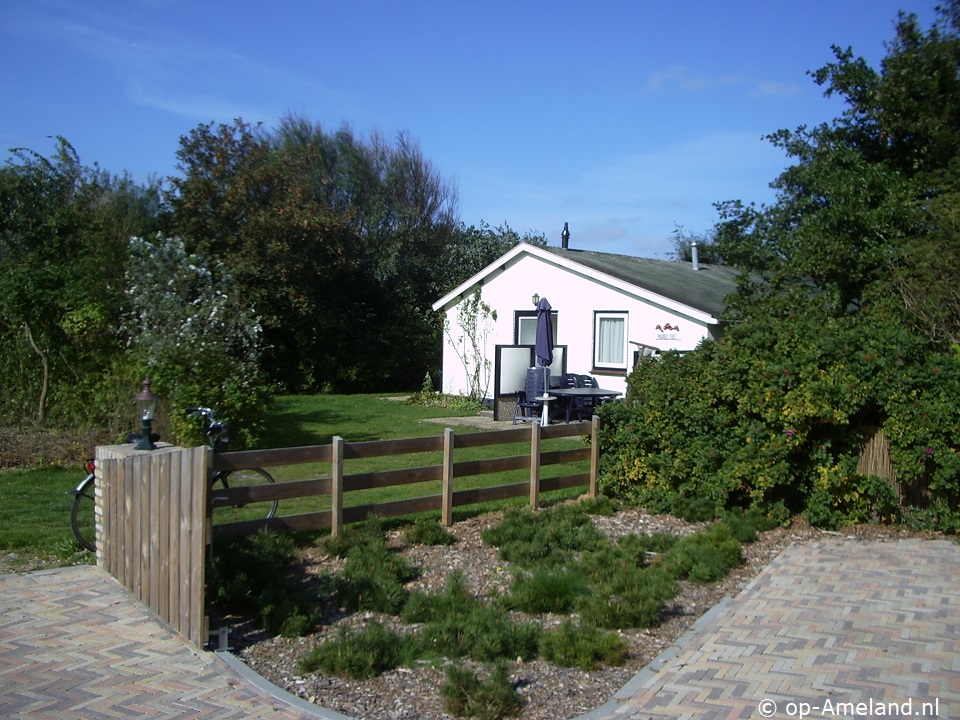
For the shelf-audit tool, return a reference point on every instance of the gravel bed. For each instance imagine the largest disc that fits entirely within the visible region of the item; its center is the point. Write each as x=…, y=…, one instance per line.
x=551, y=692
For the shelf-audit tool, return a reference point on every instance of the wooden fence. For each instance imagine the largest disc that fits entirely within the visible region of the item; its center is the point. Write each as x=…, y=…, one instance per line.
x=151, y=524
x=153, y=508
x=338, y=483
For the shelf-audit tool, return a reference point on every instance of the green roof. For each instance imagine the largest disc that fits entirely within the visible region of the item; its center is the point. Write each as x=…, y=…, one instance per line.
x=705, y=289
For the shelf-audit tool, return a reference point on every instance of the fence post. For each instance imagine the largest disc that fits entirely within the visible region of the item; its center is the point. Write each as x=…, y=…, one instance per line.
x=336, y=486
x=446, y=500
x=594, y=455
x=535, y=430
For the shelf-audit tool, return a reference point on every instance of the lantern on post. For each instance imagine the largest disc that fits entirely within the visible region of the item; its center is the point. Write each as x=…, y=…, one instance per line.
x=146, y=409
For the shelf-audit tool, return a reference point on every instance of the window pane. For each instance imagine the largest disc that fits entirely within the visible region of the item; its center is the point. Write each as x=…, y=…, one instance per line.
x=527, y=331
x=610, y=337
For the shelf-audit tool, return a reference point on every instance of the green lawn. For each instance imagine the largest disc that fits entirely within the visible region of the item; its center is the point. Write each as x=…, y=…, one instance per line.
x=314, y=420
x=35, y=502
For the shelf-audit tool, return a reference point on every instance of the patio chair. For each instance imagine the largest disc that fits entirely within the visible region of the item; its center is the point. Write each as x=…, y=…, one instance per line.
x=588, y=404
x=573, y=405
x=528, y=407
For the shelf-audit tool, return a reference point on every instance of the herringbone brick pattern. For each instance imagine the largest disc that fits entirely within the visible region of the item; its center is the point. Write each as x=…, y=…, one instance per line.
x=826, y=623
x=74, y=645
x=838, y=621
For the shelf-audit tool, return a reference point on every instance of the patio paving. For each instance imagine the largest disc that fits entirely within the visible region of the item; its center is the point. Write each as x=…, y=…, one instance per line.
x=825, y=626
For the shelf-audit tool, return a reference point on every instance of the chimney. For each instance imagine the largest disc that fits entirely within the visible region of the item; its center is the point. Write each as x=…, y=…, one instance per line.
x=695, y=254
x=565, y=237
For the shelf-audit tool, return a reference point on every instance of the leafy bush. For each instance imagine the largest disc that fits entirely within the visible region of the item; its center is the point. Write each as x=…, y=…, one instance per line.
x=252, y=576
x=457, y=624
x=583, y=646
x=428, y=532
x=466, y=695
x=193, y=335
x=773, y=416
x=705, y=556
x=548, y=590
x=357, y=654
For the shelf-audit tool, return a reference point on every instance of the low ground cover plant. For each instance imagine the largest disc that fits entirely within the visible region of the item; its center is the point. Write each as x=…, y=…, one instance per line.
x=560, y=563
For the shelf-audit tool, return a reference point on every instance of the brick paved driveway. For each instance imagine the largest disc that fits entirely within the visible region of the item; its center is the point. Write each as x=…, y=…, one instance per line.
x=825, y=626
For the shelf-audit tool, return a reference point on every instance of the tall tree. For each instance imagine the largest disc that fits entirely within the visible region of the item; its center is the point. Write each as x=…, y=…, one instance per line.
x=856, y=201
x=337, y=240
x=63, y=232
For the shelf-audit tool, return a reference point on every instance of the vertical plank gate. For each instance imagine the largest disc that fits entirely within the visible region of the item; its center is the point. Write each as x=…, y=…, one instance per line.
x=152, y=529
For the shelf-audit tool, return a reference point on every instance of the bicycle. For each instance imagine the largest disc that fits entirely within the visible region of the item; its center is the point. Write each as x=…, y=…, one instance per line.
x=82, y=509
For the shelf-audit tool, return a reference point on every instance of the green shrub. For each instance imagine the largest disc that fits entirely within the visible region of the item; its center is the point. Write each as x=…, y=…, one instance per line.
x=705, y=556
x=549, y=537
x=582, y=646
x=459, y=625
x=252, y=576
x=745, y=524
x=599, y=505
x=773, y=416
x=548, y=590
x=374, y=579
x=841, y=498
x=628, y=597
x=428, y=532
x=363, y=534
x=639, y=545
x=465, y=695
x=693, y=509
x=357, y=654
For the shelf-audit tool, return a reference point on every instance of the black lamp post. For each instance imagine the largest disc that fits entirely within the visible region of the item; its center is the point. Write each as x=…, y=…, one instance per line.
x=146, y=409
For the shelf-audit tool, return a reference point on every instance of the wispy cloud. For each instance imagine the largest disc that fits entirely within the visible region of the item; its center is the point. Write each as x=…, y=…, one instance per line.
x=632, y=203
x=682, y=78
x=160, y=70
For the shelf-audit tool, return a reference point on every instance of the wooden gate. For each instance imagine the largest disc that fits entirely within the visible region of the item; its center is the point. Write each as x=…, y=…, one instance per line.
x=151, y=518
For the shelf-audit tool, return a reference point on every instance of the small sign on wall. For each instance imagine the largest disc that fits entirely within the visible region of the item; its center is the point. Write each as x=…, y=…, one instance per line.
x=668, y=331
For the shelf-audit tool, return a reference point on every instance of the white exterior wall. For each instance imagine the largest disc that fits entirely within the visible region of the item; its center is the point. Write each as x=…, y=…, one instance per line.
x=574, y=296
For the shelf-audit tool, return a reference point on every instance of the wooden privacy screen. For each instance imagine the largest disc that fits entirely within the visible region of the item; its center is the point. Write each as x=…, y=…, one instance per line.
x=152, y=531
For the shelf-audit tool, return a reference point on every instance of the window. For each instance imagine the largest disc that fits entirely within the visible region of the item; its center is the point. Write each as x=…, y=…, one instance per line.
x=610, y=340
x=526, y=327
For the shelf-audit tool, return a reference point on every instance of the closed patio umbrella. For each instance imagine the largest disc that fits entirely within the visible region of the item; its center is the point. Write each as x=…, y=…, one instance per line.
x=544, y=348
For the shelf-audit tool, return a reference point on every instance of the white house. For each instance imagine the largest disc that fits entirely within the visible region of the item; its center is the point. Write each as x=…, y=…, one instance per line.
x=606, y=309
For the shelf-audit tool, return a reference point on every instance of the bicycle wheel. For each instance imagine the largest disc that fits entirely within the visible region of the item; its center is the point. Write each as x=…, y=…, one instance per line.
x=81, y=514
x=247, y=511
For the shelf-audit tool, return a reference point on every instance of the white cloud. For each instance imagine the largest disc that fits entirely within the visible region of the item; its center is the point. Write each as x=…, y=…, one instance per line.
x=682, y=78
x=198, y=82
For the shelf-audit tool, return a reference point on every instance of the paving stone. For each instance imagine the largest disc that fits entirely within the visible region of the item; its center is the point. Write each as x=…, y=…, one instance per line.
x=835, y=621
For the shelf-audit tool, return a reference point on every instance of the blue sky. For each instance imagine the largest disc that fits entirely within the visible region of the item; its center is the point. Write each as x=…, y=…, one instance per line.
x=625, y=118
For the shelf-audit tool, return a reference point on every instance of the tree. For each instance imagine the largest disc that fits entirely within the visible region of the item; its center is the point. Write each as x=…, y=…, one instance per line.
x=474, y=247
x=707, y=250
x=63, y=231
x=337, y=240
x=844, y=319
x=192, y=333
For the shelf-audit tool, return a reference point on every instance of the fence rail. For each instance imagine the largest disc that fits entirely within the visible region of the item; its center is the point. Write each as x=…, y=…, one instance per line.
x=153, y=508
x=447, y=471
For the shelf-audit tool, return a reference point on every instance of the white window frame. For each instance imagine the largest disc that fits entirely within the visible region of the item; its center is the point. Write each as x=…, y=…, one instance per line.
x=598, y=322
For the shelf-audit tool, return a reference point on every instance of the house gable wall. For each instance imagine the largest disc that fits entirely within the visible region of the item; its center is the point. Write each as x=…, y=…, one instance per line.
x=575, y=296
